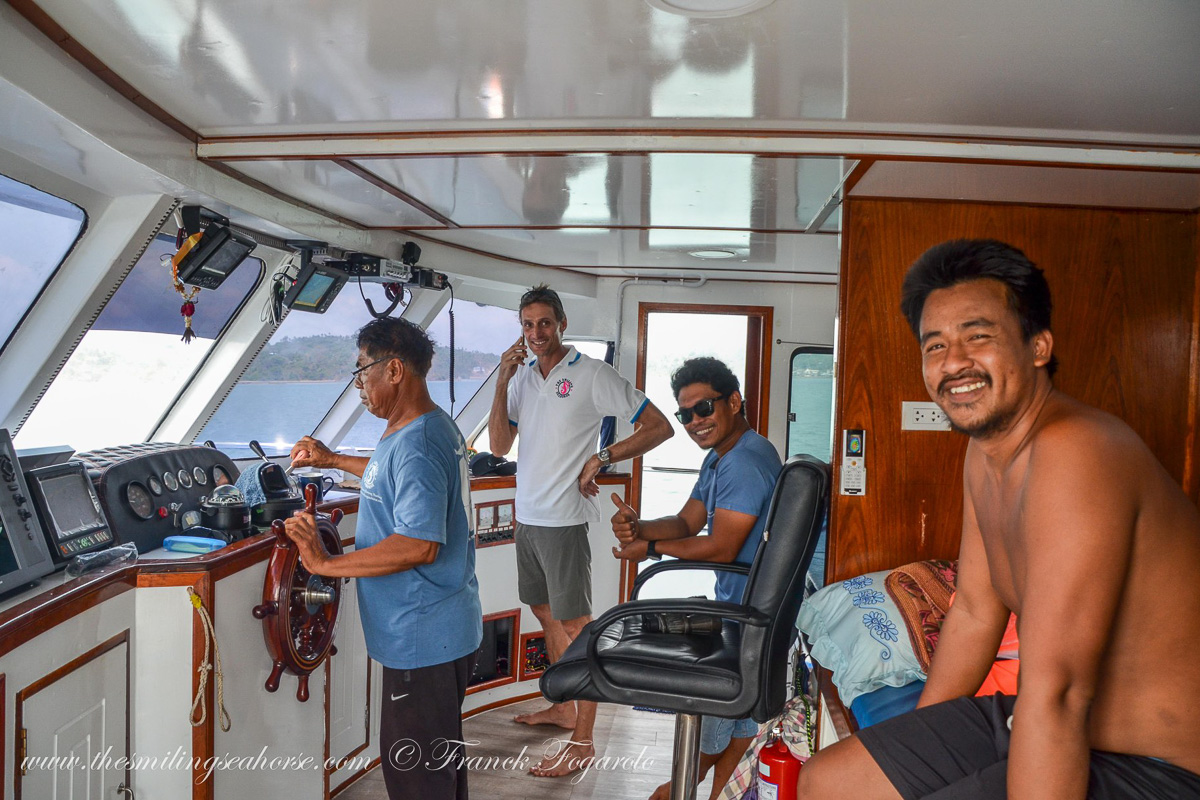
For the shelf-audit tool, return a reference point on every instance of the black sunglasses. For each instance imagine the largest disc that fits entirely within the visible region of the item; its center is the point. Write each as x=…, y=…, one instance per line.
x=702, y=409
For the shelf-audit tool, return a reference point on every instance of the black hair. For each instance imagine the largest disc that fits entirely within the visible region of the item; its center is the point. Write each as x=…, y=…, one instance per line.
x=706, y=369
x=963, y=260
x=543, y=294
x=393, y=336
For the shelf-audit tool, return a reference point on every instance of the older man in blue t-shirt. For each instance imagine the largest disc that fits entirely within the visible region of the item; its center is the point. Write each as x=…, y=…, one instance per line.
x=414, y=559
x=731, y=497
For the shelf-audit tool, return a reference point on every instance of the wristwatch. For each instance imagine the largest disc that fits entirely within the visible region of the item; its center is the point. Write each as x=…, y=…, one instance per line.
x=605, y=457
x=652, y=551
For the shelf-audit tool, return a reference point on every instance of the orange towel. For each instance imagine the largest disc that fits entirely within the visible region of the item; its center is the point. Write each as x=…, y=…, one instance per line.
x=1002, y=678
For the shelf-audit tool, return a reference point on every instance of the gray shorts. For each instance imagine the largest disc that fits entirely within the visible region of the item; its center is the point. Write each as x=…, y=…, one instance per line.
x=554, y=567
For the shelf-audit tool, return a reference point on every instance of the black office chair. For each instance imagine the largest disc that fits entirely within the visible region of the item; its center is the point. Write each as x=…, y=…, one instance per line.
x=737, y=672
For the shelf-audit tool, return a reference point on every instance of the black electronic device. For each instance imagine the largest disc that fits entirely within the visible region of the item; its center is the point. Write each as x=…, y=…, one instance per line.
x=209, y=260
x=315, y=288
x=69, y=510
x=23, y=554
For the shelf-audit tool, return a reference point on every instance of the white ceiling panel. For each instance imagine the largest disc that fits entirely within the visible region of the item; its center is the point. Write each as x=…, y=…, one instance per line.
x=1076, y=68
x=613, y=250
x=329, y=186
x=695, y=190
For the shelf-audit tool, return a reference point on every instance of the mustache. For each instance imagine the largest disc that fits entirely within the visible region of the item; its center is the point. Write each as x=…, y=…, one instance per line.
x=982, y=376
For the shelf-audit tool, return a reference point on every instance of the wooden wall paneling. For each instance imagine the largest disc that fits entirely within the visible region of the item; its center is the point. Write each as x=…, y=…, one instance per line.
x=1191, y=480
x=1125, y=325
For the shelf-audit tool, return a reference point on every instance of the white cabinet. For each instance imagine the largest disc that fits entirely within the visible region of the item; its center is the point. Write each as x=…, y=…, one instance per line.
x=75, y=723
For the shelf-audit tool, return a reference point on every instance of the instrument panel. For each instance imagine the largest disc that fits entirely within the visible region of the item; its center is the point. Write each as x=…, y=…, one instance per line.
x=146, y=490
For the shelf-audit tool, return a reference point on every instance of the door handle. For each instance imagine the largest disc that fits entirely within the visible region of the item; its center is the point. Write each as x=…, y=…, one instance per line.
x=122, y=789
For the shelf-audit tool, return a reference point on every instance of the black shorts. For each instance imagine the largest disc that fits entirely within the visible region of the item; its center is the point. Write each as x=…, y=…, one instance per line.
x=959, y=749
x=420, y=726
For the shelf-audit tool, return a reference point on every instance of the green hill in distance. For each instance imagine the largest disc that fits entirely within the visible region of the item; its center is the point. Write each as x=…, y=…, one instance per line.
x=331, y=358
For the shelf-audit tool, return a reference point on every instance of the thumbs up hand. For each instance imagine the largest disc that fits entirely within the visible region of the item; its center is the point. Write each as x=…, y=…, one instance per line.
x=625, y=523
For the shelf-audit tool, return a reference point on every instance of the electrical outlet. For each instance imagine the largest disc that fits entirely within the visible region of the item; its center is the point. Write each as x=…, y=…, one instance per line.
x=922, y=417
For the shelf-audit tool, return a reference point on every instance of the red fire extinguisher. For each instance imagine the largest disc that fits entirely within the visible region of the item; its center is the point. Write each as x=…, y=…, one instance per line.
x=778, y=771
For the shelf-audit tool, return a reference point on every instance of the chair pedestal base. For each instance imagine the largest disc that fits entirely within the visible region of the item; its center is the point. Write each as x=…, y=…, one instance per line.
x=685, y=765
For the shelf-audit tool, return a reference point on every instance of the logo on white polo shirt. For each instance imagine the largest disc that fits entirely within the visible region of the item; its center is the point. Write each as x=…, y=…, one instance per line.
x=563, y=387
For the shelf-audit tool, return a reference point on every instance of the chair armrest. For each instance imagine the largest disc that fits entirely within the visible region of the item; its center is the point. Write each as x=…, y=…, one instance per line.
x=678, y=564
x=747, y=615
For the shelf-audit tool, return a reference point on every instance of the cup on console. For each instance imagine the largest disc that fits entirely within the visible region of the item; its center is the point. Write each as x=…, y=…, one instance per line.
x=316, y=478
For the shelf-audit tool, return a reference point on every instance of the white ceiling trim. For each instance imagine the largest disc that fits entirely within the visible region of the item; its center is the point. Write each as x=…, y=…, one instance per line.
x=742, y=142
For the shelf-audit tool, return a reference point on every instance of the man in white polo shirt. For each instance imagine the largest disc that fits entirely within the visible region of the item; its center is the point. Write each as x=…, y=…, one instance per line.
x=558, y=401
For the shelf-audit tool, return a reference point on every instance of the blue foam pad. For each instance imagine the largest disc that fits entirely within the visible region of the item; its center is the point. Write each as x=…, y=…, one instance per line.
x=886, y=702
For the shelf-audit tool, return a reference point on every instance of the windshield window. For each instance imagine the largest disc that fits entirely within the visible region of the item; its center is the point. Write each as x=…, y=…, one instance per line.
x=132, y=363
x=306, y=366
x=37, y=230
x=478, y=344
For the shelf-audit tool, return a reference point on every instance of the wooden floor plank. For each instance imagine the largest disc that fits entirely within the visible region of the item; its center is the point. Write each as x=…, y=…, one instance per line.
x=635, y=748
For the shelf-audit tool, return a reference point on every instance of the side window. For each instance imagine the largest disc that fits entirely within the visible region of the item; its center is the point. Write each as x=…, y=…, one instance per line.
x=810, y=420
x=37, y=230
x=132, y=363
x=810, y=403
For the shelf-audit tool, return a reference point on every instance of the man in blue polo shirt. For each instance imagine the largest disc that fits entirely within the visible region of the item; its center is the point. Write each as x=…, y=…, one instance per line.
x=731, y=498
x=414, y=559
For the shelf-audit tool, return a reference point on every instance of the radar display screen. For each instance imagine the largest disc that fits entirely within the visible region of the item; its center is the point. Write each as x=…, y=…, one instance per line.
x=69, y=501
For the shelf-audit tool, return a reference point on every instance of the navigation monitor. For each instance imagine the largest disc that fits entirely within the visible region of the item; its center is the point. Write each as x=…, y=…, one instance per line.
x=208, y=263
x=69, y=509
x=69, y=498
x=315, y=288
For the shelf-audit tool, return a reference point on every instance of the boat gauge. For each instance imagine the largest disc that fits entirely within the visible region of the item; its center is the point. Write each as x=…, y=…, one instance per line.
x=139, y=499
x=221, y=477
x=169, y=480
x=200, y=475
x=156, y=487
x=185, y=479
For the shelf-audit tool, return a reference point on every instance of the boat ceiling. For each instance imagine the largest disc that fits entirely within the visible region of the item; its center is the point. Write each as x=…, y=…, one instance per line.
x=660, y=137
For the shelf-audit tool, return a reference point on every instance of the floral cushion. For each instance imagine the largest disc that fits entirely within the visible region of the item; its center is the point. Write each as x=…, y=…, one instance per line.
x=856, y=631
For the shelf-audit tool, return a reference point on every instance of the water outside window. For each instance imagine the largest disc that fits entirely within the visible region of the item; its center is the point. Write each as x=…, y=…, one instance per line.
x=132, y=363
x=477, y=349
x=810, y=419
x=37, y=230
x=305, y=367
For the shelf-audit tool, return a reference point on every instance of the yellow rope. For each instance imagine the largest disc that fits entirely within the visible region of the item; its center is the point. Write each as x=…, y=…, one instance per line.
x=210, y=642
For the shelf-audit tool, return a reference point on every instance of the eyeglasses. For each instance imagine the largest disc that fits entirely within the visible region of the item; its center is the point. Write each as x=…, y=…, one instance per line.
x=702, y=409
x=356, y=374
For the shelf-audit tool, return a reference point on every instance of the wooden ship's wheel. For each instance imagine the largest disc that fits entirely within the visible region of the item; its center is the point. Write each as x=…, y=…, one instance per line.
x=299, y=609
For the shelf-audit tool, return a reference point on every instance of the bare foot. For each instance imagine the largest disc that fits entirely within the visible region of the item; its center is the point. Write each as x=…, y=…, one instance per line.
x=560, y=714
x=563, y=757
x=662, y=792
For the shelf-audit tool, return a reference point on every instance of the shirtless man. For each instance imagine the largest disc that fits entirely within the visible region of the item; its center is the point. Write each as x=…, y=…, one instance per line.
x=1070, y=522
